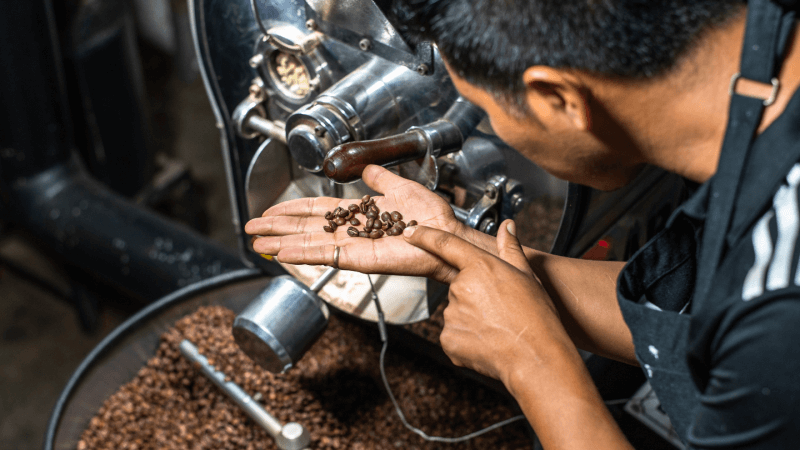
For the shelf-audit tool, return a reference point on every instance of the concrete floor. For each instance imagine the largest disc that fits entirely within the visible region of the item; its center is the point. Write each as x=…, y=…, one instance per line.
x=41, y=343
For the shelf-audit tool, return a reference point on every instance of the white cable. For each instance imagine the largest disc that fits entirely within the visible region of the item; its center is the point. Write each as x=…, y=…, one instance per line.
x=447, y=440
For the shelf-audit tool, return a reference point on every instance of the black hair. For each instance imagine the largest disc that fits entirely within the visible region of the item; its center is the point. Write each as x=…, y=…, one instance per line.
x=491, y=42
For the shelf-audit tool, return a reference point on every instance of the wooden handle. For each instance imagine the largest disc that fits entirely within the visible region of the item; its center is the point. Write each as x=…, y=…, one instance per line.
x=346, y=162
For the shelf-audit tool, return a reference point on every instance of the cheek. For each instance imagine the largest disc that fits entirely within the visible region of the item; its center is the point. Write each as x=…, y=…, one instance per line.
x=512, y=132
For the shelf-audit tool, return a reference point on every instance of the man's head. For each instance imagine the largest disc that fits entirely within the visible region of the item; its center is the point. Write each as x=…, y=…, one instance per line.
x=524, y=61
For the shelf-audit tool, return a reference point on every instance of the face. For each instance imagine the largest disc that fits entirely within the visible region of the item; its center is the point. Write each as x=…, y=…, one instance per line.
x=558, y=134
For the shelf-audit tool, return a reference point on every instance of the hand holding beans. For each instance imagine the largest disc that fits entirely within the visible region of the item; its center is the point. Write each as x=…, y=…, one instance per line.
x=295, y=232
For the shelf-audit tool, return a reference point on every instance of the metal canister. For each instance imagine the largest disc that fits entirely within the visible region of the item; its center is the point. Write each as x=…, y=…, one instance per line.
x=281, y=324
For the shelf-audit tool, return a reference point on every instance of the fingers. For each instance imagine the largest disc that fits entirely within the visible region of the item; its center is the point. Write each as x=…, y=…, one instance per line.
x=382, y=180
x=449, y=247
x=314, y=255
x=271, y=245
x=509, y=248
x=311, y=206
x=282, y=225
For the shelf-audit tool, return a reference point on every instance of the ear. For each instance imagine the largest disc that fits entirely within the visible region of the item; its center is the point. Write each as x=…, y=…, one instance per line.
x=557, y=98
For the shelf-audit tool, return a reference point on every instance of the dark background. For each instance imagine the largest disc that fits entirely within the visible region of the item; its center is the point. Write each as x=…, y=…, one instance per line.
x=41, y=337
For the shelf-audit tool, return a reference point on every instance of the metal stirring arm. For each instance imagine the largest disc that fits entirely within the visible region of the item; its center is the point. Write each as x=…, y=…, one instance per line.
x=291, y=436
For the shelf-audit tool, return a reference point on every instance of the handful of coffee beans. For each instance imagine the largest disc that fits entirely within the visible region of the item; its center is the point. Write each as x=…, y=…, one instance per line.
x=376, y=225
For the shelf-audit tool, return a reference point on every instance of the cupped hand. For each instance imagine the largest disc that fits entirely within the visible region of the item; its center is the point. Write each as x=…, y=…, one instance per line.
x=293, y=232
x=499, y=314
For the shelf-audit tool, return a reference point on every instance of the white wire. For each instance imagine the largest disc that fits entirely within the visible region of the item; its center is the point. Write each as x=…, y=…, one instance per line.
x=422, y=434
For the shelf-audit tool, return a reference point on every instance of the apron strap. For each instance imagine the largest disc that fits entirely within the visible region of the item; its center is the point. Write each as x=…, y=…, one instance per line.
x=766, y=34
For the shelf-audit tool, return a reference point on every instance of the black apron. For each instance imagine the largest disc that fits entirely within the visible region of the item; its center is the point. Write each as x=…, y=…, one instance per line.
x=670, y=279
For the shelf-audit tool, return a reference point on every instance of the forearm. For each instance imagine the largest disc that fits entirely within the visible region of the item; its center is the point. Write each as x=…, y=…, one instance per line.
x=559, y=399
x=584, y=292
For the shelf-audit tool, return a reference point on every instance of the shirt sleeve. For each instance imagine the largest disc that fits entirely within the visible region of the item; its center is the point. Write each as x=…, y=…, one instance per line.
x=752, y=398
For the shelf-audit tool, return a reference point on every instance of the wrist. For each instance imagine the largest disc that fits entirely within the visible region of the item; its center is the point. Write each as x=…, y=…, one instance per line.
x=540, y=368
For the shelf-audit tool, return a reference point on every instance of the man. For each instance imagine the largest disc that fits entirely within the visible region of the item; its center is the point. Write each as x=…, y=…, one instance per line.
x=591, y=90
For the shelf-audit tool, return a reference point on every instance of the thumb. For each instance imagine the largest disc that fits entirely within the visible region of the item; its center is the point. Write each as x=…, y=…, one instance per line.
x=509, y=248
x=381, y=179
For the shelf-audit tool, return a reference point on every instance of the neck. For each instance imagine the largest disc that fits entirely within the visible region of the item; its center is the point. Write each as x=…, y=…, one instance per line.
x=678, y=120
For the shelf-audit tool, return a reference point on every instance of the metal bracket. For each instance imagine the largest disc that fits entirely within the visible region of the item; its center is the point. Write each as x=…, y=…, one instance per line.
x=422, y=61
x=502, y=199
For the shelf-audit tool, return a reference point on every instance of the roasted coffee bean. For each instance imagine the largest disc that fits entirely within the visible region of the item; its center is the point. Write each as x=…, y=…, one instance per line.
x=343, y=213
x=363, y=234
x=355, y=222
x=371, y=202
x=371, y=214
x=412, y=223
x=392, y=231
x=328, y=229
x=377, y=224
x=363, y=208
x=375, y=234
x=365, y=198
x=400, y=224
x=329, y=215
x=337, y=210
x=353, y=207
x=386, y=226
x=352, y=232
x=396, y=216
x=333, y=225
x=375, y=208
x=350, y=215
x=340, y=221
x=370, y=223
x=385, y=216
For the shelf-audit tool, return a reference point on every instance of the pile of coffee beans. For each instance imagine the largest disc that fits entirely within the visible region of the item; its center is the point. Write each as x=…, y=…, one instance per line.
x=376, y=225
x=335, y=391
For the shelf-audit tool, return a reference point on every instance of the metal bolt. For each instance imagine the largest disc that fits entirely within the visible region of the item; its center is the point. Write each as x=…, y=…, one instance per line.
x=488, y=226
x=256, y=60
x=365, y=44
x=319, y=131
x=422, y=69
x=315, y=83
x=256, y=91
x=311, y=24
x=491, y=191
x=517, y=202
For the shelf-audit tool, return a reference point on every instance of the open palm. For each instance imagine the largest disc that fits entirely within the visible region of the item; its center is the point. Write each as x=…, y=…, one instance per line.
x=293, y=230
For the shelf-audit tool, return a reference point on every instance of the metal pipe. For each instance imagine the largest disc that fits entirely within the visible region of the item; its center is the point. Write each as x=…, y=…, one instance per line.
x=320, y=282
x=266, y=127
x=75, y=217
